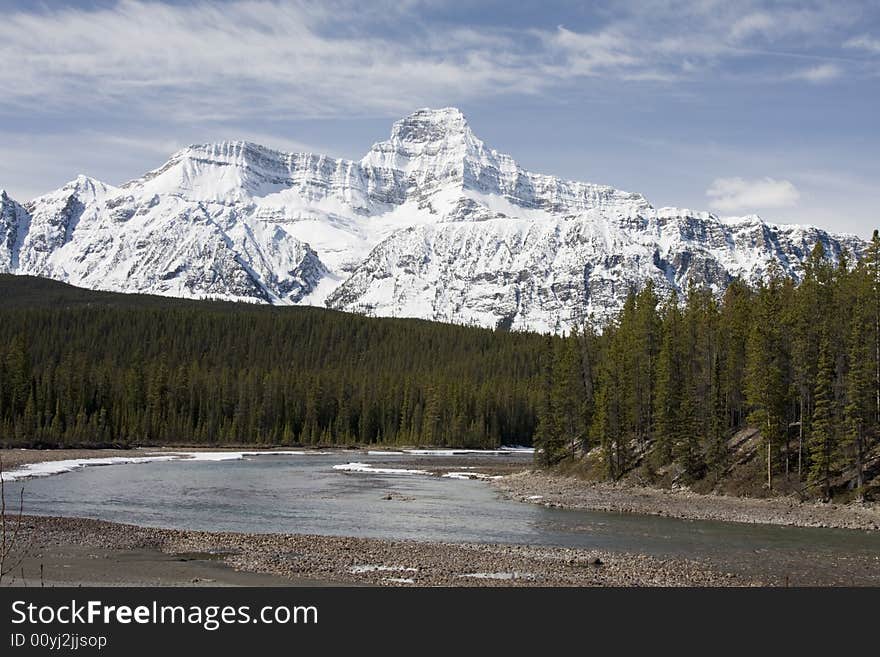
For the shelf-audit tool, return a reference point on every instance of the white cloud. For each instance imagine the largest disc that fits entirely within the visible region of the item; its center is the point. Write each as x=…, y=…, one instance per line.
x=734, y=194
x=205, y=61
x=750, y=24
x=592, y=53
x=819, y=74
x=864, y=42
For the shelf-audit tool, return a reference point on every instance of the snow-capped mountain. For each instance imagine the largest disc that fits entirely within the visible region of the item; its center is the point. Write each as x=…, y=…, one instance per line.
x=431, y=223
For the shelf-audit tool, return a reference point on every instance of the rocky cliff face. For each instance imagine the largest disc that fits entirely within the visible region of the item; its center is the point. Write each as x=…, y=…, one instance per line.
x=14, y=225
x=430, y=223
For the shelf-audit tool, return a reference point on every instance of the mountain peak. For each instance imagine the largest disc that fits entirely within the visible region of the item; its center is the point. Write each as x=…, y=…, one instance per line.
x=427, y=125
x=425, y=138
x=85, y=182
x=86, y=185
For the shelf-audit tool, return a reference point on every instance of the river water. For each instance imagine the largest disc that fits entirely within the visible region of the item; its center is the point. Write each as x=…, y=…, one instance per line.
x=305, y=494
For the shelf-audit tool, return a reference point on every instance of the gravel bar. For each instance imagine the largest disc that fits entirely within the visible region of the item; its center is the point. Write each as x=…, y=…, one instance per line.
x=538, y=487
x=363, y=561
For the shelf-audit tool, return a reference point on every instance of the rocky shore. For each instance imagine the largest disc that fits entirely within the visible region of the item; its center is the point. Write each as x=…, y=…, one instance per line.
x=73, y=551
x=554, y=490
x=298, y=559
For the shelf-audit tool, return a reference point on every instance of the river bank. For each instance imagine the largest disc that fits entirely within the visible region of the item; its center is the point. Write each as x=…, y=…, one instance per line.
x=290, y=546
x=78, y=551
x=554, y=490
x=537, y=487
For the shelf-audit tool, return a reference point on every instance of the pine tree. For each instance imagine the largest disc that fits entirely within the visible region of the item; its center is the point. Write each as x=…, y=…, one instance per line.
x=644, y=345
x=766, y=388
x=858, y=411
x=687, y=449
x=566, y=399
x=872, y=261
x=823, y=435
x=606, y=429
x=587, y=340
x=548, y=440
x=716, y=447
x=667, y=389
x=431, y=417
x=735, y=319
x=17, y=374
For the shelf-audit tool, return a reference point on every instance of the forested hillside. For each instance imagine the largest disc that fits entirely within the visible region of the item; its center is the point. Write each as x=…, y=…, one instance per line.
x=663, y=389
x=660, y=392
x=97, y=368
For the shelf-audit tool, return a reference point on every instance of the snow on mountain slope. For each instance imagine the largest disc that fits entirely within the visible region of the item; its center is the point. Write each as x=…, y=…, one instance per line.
x=430, y=223
x=436, y=149
x=555, y=274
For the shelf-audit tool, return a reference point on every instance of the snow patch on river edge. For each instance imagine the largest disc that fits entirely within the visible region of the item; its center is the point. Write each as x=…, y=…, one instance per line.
x=366, y=468
x=49, y=468
x=357, y=466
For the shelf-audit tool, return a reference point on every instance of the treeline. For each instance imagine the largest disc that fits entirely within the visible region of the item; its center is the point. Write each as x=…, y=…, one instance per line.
x=662, y=389
x=83, y=368
x=666, y=385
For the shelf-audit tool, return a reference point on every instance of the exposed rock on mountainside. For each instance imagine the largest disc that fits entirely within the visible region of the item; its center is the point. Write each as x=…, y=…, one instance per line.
x=431, y=223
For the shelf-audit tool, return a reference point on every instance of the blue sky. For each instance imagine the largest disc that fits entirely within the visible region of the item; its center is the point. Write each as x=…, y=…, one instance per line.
x=737, y=107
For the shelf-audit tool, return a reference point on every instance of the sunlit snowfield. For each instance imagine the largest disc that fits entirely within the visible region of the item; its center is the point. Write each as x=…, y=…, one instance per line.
x=346, y=494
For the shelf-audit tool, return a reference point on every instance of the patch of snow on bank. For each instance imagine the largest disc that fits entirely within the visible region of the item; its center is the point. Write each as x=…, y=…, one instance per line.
x=237, y=456
x=470, y=475
x=367, y=468
x=503, y=451
x=48, y=468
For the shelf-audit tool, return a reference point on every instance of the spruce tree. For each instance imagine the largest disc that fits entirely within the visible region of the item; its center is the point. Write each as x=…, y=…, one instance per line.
x=823, y=434
x=873, y=266
x=858, y=411
x=667, y=389
x=566, y=399
x=687, y=449
x=765, y=388
x=716, y=441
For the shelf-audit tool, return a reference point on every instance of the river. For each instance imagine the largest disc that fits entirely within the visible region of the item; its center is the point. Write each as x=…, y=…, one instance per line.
x=304, y=493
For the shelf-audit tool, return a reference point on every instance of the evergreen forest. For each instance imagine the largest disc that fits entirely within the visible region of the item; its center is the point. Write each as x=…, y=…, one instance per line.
x=662, y=390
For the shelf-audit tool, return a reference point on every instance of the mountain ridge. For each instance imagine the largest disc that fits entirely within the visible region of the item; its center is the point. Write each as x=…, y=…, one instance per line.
x=430, y=223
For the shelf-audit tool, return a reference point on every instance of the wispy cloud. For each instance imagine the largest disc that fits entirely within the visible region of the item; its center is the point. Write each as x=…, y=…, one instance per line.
x=218, y=61
x=819, y=74
x=735, y=194
x=753, y=23
x=864, y=42
x=111, y=88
